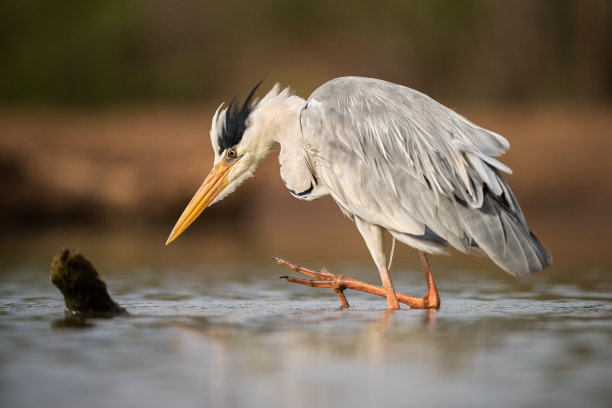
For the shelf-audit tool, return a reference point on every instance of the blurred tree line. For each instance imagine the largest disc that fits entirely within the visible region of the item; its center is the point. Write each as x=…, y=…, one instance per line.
x=110, y=51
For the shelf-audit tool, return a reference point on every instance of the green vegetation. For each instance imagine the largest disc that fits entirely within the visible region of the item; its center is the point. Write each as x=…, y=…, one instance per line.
x=109, y=51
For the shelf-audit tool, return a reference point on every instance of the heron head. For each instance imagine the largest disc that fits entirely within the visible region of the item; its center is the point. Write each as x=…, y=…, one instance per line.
x=239, y=148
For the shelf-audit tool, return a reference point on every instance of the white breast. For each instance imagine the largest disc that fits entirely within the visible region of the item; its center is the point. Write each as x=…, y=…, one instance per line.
x=297, y=174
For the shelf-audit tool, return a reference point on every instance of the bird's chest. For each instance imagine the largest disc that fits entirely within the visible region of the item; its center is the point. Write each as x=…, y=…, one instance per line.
x=299, y=182
x=297, y=175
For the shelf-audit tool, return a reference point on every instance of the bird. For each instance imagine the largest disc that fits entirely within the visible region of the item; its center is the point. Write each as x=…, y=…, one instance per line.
x=394, y=160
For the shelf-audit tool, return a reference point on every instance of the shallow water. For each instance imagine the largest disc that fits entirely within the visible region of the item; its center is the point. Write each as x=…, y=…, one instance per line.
x=234, y=335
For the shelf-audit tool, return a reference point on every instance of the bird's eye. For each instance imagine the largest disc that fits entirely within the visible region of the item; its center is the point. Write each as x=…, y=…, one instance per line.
x=231, y=153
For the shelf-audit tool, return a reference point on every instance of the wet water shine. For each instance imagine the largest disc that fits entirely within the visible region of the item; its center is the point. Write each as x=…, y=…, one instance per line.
x=240, y=337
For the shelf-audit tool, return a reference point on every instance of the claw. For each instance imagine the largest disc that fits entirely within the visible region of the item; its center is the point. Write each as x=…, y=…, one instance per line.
x=326, y=279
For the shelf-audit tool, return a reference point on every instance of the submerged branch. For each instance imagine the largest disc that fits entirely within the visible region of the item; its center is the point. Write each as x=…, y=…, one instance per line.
x=84, y=290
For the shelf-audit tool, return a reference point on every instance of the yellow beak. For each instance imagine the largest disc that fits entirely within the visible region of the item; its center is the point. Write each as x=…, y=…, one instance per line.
x=214, y=183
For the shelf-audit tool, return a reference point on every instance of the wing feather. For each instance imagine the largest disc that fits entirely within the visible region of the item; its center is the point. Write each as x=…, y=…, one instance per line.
x=391, y=127
x=394, y=157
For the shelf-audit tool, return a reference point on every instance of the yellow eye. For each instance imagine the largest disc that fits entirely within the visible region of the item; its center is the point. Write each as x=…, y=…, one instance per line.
x=231, y=153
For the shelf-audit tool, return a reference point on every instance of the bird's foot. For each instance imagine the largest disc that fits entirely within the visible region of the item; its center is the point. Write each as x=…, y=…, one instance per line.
x=336, y=284
x=326, y=279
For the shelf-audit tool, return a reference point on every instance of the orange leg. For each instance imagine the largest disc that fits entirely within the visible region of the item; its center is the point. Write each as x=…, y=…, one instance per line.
x=389, y=290
x=326, y=279
x=432, y=298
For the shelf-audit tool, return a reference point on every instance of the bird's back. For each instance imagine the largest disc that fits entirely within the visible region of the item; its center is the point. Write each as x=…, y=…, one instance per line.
x=396, y=158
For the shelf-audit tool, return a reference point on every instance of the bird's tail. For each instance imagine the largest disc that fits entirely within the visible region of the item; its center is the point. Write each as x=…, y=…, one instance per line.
x=503, y=235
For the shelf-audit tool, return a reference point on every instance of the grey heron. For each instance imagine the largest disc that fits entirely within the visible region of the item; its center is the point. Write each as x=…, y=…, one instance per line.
x=392, y=158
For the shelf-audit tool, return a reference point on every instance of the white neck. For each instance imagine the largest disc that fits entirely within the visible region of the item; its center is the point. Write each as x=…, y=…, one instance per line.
x=276, y=119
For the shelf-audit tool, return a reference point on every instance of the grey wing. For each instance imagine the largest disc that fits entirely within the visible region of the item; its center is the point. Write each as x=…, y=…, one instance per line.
x=396, y=158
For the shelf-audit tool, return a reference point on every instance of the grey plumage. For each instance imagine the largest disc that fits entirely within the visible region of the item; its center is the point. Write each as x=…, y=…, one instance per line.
x=396, y=158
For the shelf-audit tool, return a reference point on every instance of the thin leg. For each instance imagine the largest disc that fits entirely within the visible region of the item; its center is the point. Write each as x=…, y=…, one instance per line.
x=373, y=236
x=388, y=287
x=326, y=279
x=432, y=299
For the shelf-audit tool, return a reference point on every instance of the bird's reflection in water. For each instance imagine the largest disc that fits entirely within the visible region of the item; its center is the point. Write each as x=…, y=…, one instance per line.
x=428, y=320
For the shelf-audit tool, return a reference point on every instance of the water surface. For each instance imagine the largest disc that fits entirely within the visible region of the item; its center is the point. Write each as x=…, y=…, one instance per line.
x=231, y=334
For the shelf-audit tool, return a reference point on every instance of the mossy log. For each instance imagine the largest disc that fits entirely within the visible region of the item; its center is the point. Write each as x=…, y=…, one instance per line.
x=84, y=290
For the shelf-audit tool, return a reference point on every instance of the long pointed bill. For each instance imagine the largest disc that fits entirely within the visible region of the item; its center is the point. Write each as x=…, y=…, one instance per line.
x=214, y=183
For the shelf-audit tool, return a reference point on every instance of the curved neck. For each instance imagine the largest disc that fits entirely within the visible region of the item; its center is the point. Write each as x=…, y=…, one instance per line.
x=277, y=118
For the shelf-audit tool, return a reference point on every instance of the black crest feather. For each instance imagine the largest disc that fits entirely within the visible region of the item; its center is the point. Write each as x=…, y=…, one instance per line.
x=235, y=121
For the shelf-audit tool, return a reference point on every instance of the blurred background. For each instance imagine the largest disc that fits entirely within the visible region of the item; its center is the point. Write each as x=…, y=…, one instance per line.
x=105, y=108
